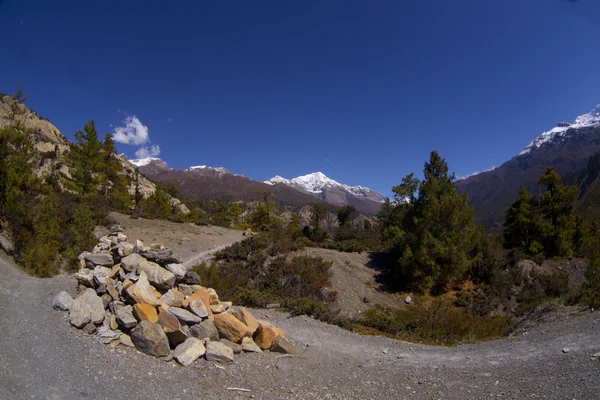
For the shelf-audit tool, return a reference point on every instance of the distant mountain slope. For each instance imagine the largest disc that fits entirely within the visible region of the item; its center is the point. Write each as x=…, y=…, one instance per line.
x=566, y=147
x=588, y=180
x=218, y=183
x=339, y=194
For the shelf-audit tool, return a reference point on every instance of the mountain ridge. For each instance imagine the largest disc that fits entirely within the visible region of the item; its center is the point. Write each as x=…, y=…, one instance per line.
x=219, y=183
x=566, y=147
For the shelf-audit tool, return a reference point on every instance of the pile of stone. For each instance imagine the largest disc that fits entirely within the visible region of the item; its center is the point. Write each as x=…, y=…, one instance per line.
x=133, y=295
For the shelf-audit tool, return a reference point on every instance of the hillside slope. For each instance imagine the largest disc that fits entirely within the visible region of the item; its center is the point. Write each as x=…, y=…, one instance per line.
x=567, y=148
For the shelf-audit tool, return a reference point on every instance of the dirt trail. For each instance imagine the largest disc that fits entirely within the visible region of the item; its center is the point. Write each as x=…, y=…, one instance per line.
x=42, y=356
x=190, y=243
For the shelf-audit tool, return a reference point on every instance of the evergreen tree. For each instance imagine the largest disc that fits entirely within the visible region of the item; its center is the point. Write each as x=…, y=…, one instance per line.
x=345, y=214
x=87, y=162
x=522, y=225
x=434, y=231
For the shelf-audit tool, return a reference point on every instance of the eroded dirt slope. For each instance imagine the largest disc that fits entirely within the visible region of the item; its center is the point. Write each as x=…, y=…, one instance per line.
x=188, y=241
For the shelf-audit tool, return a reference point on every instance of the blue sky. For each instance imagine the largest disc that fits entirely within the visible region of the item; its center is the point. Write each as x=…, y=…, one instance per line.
x=360, y=90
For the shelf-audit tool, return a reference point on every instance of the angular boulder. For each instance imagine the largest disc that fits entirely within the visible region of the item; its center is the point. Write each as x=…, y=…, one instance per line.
x=85, y=276
x=173, y=297
x=282, y=345
x=278, y=331
x=247, y=318
x=156, y=274
x=145, y=312
x=249, y=346
x=237, y=348
x=101, y=275
x=192, y=278
x=142, y=292
x=217, y=351
x=150, y=338
x=62, y=301
x=200, y=294
x=86, y=308
x=172, y=327
x=199, y=308
x=102, y=258
x=178, y=270
x=264, y=337
x=230, y=327
x=163, y=257
x=189, y=351
x=205, y=330
x=185, y=316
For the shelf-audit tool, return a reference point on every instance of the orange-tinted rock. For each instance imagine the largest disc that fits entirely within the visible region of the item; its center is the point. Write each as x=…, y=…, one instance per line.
x=230, y=327
x=247, y=318
x=200, y=294
x=264, y=337
x=145, y=312
x=277, y=330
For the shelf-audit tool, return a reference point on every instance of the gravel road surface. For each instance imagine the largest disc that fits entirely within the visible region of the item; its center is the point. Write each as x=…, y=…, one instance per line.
x=43, y=357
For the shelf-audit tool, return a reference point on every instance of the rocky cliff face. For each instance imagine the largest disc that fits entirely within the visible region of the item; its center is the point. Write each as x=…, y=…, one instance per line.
x=47, y=138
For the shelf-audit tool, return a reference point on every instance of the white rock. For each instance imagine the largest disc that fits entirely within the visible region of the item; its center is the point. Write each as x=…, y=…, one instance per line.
x=199, y=308
x=88, y=307
x=189, y=351
x=178, y=270
x=62, y=301
x=101, y=275
x=217, y=351
x=85, y=276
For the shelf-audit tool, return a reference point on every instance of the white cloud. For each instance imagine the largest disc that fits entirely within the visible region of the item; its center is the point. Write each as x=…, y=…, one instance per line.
x=458, y=178
x=144, y=151
x=133, y=133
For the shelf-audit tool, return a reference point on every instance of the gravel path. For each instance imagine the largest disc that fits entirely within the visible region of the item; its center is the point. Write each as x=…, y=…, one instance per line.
x=43, y=357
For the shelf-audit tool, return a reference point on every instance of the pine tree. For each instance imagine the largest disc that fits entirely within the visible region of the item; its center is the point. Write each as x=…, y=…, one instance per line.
x=87, y=162
x=435, y=231
x=522, y=225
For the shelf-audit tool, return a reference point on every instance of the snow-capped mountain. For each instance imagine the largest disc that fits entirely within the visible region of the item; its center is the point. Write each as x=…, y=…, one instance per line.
x=140, y=162
x=564, y=129
x=327, y=189
x=567, y=148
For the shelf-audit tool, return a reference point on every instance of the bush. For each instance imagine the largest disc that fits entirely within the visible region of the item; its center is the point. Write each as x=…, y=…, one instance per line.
x=437, y=321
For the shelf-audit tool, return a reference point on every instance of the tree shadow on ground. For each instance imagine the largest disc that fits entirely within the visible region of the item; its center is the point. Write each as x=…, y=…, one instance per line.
x=387, y=276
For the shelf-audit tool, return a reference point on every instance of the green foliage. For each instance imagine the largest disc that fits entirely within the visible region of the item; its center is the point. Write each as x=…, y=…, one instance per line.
x=549, y=227
x=262, y=218
x=434, y=235
x=81, y=228
x=591, y=290
x=253, y=273
x=42, y=255
x=157, y=205
x=87, y=162
x=438, y=321
x=345, y=214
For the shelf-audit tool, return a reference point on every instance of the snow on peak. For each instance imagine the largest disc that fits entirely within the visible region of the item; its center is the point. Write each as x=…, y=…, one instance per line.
x=277, y=179
x=315, y=183
x=140, y=162
x=582, y=121
x=202, y=167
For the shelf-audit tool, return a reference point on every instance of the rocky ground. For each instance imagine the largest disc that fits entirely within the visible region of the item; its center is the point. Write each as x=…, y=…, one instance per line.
x=42, y=356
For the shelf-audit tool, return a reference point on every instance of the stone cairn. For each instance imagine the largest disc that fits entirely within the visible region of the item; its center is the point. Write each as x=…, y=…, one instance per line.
x=142, y=297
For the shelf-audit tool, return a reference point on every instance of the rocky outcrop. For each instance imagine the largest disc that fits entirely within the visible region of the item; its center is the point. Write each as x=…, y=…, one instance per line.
x=126, y=299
